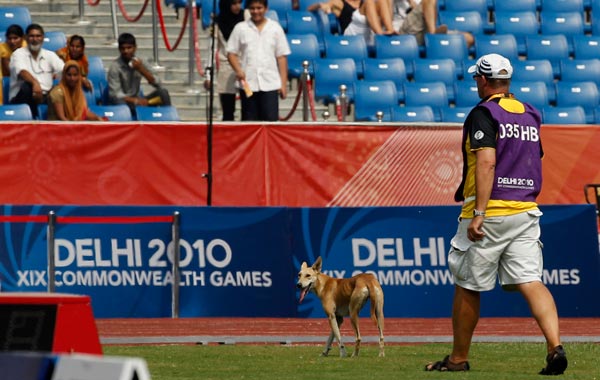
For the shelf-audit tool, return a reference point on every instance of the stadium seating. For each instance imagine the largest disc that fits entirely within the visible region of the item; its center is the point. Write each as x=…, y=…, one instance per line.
x=398, y=46
x=566, y=23
x=480, y=6
x=584, y=94
x=373, y=96
x=305, y=23
x=434, y=70
x=519, y=24
x=42, y=112
x=386, y=69
x=534, y=93
x=466, y=94
x=451, y=46
x=330, y=73
x=119, y=112
x=5, y=88
x=466, y=21
x=454, y=114
x=422, y=114
x=562, y=5
x=14, y=15
x=552, y=47
x=515, y=6
x=535, y=70
x=577, y=70
x=504, y=44
x=15, y=112
x=97, y=75
x=586, y=47
x=563, y=115
x=162, y=113
x=282, y=7
x=304, y=47
x=54, y=40
x=431, y=94
x=354, y=47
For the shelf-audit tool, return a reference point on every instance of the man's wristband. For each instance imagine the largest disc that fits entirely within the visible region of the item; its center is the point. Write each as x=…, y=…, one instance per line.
x=478, y=213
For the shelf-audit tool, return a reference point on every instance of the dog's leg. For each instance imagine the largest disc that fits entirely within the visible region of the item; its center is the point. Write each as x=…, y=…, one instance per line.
x=354, y=320
x=328, y=344
x=378, y=299
x=335, y=322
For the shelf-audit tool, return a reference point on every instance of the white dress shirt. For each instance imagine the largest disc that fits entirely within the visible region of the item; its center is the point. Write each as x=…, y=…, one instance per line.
x=43, y=68
x=258, y=52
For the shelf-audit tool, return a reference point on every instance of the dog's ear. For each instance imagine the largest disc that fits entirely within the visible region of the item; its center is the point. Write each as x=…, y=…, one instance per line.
x=318, y=265
x=303, y=266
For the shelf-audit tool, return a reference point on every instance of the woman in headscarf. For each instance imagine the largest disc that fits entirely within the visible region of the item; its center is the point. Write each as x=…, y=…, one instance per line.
x=230, y=13
x=66, y=100
x=75, y=51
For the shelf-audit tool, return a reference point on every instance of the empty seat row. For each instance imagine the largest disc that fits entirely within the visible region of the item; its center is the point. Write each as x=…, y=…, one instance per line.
x=22, y=112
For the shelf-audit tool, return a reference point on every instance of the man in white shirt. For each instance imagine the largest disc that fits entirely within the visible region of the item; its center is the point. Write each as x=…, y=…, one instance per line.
x=33, y=70
x=257, y=50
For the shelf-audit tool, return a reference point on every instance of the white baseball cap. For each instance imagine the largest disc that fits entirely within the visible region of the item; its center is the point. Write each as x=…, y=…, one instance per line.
x=492, y=66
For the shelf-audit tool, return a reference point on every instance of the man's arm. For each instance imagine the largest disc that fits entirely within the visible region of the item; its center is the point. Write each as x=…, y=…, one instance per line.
x=282, y=64
x=234, y=61
x=485, y=169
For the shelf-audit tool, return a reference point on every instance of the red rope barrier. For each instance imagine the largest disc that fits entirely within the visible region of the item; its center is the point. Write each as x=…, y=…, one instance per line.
x=163, y=29
x=93, y=3
x=288, y=116
x=198, y=59
x=129, y=18
x=87, y=219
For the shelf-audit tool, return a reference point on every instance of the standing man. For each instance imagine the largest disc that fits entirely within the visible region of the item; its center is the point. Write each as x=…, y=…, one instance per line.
x=498, y=233
x=257, y=50
x=33, y=70
x=125, y=78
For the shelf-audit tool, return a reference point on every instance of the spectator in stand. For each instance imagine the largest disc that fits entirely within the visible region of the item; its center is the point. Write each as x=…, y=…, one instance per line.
x=14, y=40
x=33, y=70
x=342, y=9
x=75, y=51
x=365, y=24
x=125, y=77
x=257, y=51
x=66, y=100
x=230, y=13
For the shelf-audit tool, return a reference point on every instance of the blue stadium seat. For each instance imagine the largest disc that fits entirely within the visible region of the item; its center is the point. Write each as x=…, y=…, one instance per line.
x=413, y=114
x=386, y=69
x=97, y=75
x=566, y=23
x=398, y=46
x=373, y=96
x=119, y=112
x=431, y=94
x=14, y=15
x=354, y=47
x=535, y=70
x=503, y=44
x=5, y=88
x=451, y=46
x=42, y=110
x=162, y=113
x=434, y=70
x=454, y=114
x=520, y=24
x=330, y=73
x=304, y=22
x=563, y=115
x=583, y=94
x=562, y=5
x=480, y=6
x=54, y=40
x=580, y=70
x=552, y=47
x=534, y=93
x=466, y=21
x=515, y=6
x=304, y=47
x=466, y=94
x=15, y=112
x=282, y=7
x=586, y=47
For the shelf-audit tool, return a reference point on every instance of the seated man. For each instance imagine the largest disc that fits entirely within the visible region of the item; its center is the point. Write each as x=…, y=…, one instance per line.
x=33, y=70
x=125, y=76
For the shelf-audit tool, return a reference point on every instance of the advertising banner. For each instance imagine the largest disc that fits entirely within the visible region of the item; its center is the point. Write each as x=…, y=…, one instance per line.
x=243, y=262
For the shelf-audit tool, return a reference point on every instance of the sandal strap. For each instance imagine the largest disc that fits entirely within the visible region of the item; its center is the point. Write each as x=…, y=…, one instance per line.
x=447, y=365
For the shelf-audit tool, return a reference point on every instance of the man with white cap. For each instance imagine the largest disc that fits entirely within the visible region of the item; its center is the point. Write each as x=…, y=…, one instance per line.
x=498, y=232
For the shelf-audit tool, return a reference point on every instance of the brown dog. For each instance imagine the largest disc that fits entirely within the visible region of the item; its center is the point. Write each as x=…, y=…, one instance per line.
x=342, y=297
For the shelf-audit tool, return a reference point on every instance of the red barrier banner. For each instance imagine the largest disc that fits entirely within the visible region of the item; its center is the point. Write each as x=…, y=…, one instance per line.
x=278, y=164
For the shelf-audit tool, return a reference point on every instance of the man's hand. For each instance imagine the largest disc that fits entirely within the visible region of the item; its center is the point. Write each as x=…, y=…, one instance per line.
x=474, y=231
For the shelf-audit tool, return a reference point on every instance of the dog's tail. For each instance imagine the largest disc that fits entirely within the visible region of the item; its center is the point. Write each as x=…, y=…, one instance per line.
x=376, y=296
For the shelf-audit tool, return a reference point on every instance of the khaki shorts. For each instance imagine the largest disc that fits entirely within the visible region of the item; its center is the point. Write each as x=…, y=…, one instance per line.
x=510, y=251
x=414, y=23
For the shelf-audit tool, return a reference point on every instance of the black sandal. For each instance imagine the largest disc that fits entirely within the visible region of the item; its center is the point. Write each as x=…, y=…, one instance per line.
x=447, y=366
x=556, y=362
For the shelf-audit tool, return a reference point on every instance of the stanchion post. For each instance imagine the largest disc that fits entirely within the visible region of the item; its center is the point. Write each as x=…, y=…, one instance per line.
x=51, y=251
x=344, y=101
x=379, y=116
x=304, y=78
x=156, y=64
x=82, y=20
x=176, y=258
x=115, y=23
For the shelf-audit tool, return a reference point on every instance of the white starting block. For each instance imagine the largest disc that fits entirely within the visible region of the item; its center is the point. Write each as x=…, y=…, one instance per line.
x=92, y=367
